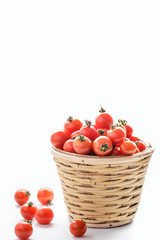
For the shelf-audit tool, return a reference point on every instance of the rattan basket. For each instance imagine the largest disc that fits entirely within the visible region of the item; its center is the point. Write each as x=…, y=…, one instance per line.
x=103, y=191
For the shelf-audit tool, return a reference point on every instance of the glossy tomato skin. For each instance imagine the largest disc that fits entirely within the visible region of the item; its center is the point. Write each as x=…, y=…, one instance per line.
x=102, y=146
x=68, y=146
x=141, y=146
x=116, y=152
x=22, y=196
x=89, y=132
x=129, y=131
x=78, y=228
x=44, y=215
x=28, y=211
x=45, y=195
x=117, y=135
x=134, y=139
x=59, y=138
x=72, y=125
x=104, y=121
x=82, y=145
x=128, y=147
x=23, y=230
x=75, y=134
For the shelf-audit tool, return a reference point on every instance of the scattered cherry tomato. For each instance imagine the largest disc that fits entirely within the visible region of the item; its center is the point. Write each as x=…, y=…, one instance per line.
x=58, y=139
x=89, y=131
x=103, y=120
x=116, y=152
x=141, y=146
x=44, y=215
x=102, y=146
x=23, y=230
x=28, y=211
x=78, y=228
x=68, y=146
x=128, y=147
x=134, y=139
x=72, y=125
x=117, y=135
x=22, y=196
x=75, y=134
x=102, y=132
x=45, y=195
x=82, y=145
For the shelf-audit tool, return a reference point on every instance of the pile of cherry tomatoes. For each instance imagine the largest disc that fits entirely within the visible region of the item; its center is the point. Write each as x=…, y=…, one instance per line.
x=43, y=215
x=102, y=138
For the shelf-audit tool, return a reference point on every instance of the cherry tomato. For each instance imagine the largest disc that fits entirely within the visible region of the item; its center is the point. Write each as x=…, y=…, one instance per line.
x=103, y=120
x=82, y=145
x=75, y=134
x=44, y=215
x=28, y=211
x=129, y=129
x=72, y=125
x=22, y=196
x=89, y=131
x=134, y=139
x=141, y=146
x=23, y=230
x=59, y=138
x=117, y=135
x=116, y=152
x=102, y=146
x=78, y=228
x=102, y=132
x=128, y=147
x=45, y=195
x=68, y=146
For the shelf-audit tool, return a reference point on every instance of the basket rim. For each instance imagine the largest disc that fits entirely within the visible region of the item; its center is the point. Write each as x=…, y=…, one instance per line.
x=86, y=159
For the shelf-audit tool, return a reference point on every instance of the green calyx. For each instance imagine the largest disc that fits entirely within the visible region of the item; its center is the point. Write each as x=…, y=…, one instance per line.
x=81, y=138
x=28, y=193
x=70, y=119
x=30, y=204
x=137, y=142
x=101, y=110
x=28, y=221
x=88, y=123
x=123, y=122
x=100, y=131
x=104, y=147
x=49, y=202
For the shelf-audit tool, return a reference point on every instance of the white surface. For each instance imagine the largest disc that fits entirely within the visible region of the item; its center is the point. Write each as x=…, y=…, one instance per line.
x=66, y=57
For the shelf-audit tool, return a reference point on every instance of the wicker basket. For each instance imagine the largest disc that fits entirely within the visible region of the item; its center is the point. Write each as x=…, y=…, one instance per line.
x=103, y=191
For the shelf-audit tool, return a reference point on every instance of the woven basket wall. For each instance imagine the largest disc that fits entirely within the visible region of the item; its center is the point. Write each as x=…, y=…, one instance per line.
x=102, y=191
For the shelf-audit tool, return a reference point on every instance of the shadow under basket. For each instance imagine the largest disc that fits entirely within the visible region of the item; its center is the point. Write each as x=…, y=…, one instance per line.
x=103, y=191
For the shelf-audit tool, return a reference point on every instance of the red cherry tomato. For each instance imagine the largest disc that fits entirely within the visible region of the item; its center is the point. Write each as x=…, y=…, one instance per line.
x=75, y=134
x=102, y=146
x=72, y=125
x=103, y=120
x=28, y=211
x=102, y=132
x=23, y=230
x=82, y=145
x=141, y=146
x=117, y=135
x=128, y=147
x=78, y=228
x=129, y=131
x=134, y=139
x=59, y=138
x=89, y=131
x=44, y=215
x=68, y=146
x=45, y=195
x=22, y=196
x=116, y=152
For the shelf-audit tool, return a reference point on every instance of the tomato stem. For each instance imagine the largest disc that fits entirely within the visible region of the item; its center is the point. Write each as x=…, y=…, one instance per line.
x=123, y=122
x=81, y=138
x=88, y=123
x=28, y=193
x=101, y=110
x=30, y=204
x=136, y=142
x=49, y=202
x=70, y=119
x=100, y=131
x=104, y=147
x=28, y=221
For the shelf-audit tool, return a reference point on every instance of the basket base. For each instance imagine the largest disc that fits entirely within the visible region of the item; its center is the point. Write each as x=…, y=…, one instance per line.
x=105, y=225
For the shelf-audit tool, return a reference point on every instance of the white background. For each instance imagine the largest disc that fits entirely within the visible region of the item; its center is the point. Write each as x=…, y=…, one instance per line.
x=61, y=58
